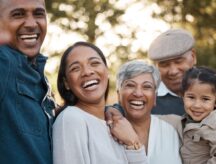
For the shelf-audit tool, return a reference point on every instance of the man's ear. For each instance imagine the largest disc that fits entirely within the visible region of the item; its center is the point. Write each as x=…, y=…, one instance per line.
x=194, y=56
x=66, y=84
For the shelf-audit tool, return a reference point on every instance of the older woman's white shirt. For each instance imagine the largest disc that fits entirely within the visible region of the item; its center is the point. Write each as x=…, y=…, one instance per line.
x=163, y=144
x=81, y=138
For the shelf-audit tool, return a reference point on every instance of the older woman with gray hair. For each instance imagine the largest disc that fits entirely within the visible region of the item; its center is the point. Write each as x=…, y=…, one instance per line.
x=137, y=83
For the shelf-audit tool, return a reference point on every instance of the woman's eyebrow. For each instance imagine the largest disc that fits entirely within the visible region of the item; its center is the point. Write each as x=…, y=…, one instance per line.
x=73, y=63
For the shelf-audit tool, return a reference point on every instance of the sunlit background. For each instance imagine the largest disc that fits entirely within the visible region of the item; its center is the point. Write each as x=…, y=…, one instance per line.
x=124, y=29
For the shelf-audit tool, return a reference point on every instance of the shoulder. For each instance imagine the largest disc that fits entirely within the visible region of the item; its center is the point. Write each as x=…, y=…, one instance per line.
x=7, y=57
x=210, y=120
x=5, y=51
x=5, y=68
x=171, y=119
x=164, y=134
x=70, y=116
x=208, y=127
x=166, y=126
x=4, y=54
x=164, y=119
x=70, y=123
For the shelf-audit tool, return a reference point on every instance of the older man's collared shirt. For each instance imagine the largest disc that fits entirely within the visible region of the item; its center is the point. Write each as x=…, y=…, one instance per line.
x=163, y=90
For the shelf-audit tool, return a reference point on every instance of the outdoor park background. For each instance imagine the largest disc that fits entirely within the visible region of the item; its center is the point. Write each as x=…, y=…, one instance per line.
x=124, y=29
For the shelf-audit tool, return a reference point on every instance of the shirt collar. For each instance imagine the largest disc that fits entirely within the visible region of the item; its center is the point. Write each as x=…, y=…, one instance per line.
x=210, y=120
x=163, y=90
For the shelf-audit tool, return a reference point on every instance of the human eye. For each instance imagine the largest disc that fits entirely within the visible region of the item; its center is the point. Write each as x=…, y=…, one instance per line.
x=148, y=87
x=17, y=14
x=40, y=13
x=179, y=60
x=95, y=62
x=129, y=85
x=163, y=64
x=191, y=97
x=205, y=99
x=75, y=69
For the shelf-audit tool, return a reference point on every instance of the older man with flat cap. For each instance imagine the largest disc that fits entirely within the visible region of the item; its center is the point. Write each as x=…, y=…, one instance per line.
x=173, y=53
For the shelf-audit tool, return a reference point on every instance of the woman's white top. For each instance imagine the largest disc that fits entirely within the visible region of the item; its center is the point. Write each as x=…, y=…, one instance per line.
x=81, y=138
x=163, y=144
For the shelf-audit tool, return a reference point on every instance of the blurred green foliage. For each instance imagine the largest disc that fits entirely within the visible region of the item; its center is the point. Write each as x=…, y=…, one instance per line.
x=82, y=17
x=196, y=16
x=85, y=18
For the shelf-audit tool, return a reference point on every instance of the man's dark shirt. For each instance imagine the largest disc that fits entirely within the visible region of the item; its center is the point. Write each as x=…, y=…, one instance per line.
x=169, y=104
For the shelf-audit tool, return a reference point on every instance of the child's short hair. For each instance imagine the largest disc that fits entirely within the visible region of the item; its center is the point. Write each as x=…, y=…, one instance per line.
x=201, y=73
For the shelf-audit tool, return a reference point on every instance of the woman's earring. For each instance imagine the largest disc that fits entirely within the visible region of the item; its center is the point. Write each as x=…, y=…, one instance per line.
x=66, y=84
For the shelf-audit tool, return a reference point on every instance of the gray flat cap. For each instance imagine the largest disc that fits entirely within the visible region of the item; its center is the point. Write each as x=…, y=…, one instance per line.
x=170, y=44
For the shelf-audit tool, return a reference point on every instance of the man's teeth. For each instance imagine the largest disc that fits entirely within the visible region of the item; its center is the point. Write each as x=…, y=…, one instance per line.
x=89, y=83
x=138, y=103
x=33, y=36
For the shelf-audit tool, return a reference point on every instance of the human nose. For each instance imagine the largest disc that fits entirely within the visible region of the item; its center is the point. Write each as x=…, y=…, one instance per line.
x=197, y=104
x=138, y=92
x=87, y=71
x=173, y=69
x=30, y=21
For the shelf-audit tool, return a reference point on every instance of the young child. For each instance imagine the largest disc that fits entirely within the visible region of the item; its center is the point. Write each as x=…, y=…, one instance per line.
x=198, y=126
x=199, y=122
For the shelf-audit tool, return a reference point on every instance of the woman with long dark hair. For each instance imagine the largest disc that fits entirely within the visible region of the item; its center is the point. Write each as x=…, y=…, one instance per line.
x=80, y=133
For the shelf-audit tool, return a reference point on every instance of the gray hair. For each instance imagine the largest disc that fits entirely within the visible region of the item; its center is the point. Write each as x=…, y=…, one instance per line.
x=135, y=68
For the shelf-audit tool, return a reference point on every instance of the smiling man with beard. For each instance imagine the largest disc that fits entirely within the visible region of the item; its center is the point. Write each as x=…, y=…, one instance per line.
x=173, y=53
x=25, y=101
